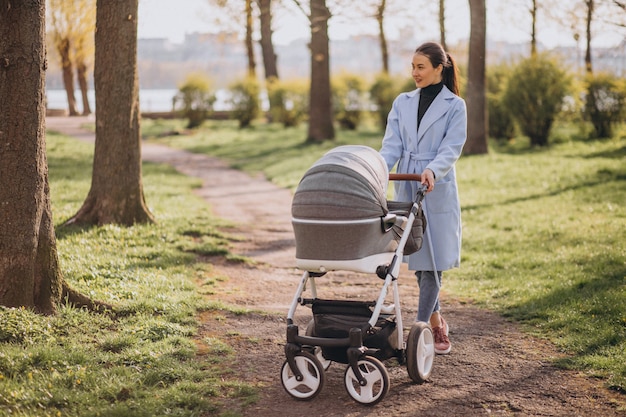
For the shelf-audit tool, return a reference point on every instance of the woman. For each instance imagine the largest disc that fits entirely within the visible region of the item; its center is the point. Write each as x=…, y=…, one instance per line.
x=426, y=131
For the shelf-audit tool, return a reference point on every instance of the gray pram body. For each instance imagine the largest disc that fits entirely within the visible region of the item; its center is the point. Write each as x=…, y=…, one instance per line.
x=342, y=220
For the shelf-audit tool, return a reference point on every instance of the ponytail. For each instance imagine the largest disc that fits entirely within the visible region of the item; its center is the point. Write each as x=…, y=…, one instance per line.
x=437, y=56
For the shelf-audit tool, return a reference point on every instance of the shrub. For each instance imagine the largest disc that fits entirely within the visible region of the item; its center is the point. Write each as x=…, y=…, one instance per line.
x=245, y=101
x=289, y=101
x=195, y=98
x=501, y=123
x=534, y=95
x=348, y=101
x=605, y=102
x=382, y=93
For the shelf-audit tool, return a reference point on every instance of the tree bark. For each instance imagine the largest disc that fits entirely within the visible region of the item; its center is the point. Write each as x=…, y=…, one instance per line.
x=477, y=126
x=68, y=75
x=81, y=72
x=267, y=46
x=442, y=24
x=321, y=126
x=384, y=49
x=116, y=194
x=533, y=34
x=590, y=7
x=29, y=270
x=249, y=43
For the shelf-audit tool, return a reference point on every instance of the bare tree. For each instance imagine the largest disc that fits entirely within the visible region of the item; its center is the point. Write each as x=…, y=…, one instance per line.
x=61, y=12
x=84, y=47
x=249, y=43
x=321, y=126
x=30, y=275
x=267, y=46
x=533, y=30
x=477, y=127
x=116, y=194
x=442, y=24
x=384, y=49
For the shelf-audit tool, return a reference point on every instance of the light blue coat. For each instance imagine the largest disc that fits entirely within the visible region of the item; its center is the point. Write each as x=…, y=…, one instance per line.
x=437, y=145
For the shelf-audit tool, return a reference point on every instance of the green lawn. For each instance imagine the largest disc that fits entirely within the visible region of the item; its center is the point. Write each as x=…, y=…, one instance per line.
x=544, y=229
x=142, y=361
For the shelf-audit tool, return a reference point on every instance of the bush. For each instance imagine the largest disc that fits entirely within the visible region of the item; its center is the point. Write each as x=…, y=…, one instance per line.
x=245, y=101
x=382, y=93
x=289, y=101
x=534, y=95
x=604, y=103
x=501, y=123
x=195, y=98
x=348, y=101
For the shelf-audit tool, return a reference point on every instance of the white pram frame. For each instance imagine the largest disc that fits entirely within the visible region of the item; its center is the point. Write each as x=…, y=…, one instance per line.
x=366, y=378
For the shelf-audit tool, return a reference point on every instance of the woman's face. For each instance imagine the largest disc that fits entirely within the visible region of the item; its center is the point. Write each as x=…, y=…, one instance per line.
x=423, y=72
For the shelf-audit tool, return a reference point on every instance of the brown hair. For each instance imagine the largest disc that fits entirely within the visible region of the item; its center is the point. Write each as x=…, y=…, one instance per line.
x=437, y=56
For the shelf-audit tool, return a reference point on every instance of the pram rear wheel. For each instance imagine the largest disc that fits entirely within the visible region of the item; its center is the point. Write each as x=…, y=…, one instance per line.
x=313, y=377
x=377, y=379
x=420, y=352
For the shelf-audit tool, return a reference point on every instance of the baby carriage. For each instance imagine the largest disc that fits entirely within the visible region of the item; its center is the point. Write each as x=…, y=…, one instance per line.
x=343, y=221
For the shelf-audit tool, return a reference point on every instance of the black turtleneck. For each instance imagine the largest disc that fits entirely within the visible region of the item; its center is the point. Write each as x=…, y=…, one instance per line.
x=427, y=95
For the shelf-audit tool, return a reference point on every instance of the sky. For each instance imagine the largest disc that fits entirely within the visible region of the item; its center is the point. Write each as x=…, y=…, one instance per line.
x=173, y=19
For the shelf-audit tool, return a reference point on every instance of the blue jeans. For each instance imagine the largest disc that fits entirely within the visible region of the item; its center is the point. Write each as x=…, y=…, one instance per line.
x=429, y=294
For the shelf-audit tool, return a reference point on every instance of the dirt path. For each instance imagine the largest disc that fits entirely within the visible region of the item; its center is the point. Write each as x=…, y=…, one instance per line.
x=493, y=369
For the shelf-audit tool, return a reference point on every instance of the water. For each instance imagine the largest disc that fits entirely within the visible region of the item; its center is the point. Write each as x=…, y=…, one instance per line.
x=154, y=100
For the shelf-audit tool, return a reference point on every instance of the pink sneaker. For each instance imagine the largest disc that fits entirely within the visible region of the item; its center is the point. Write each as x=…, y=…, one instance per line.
x=442, y=342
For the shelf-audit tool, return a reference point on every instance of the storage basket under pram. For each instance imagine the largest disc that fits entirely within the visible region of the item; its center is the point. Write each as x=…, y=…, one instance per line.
x=342, y=220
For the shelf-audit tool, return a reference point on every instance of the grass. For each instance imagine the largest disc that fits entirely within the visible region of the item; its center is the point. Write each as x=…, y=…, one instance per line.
x=544, y=229
x=144, y=360
x=544, y=244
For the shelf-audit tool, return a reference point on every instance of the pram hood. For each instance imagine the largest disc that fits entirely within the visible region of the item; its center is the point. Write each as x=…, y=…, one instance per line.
x=347, y=183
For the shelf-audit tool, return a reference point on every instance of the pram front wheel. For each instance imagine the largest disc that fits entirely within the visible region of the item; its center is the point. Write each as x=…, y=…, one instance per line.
x=317, y=350
x=376, y=377
x=420, y=352
x=313, y=377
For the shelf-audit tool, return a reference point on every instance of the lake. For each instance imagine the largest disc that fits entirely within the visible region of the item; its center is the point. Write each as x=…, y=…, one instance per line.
x=150, y=100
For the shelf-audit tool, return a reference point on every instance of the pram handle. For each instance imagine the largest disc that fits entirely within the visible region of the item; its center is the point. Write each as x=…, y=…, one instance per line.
x=405, y=177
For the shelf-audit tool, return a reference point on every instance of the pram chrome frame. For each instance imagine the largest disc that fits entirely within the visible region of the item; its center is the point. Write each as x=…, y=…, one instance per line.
x=389, y=270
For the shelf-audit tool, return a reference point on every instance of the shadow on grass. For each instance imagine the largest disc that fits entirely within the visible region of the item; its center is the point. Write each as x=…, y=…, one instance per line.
x=604, y=178
x=589, y=312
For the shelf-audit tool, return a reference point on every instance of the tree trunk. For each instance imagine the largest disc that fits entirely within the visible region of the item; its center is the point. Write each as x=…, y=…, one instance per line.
x=249, y=43
x=81, y=72
x=267, y=46
x=116, y=194
x=477, y=130
x=442, y=23
x=533, y=35
x=384, y=49
x=68, y=75
x=321, y=126
x=29, y=270
x=590, y=6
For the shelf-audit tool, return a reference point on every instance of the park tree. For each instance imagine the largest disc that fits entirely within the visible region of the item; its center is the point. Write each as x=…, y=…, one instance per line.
x=30, y=275
x=321, y=127
x=267, y=46
x=62, y=24
x=72, y=25
x=442, y=24
x=83, y=47
x=116, y=194
x=477, y=127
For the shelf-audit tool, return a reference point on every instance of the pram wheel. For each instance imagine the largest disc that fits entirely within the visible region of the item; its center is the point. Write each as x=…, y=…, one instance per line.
x=420, y=352
x=317, y=350
x=313, y=374
x=377, y=379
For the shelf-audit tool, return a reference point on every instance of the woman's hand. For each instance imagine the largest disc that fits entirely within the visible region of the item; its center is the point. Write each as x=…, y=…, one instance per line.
x=428, y=179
